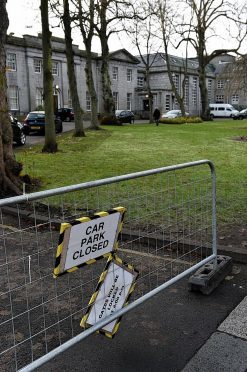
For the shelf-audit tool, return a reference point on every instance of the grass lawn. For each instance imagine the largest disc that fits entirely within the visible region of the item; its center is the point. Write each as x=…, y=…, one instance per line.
x=117, y=150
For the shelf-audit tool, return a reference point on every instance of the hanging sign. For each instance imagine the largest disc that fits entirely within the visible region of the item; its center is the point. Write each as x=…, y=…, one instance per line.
x=87, y=239
x=113, y=291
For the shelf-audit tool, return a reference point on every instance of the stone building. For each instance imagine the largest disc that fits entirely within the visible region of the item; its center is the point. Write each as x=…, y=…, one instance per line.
x=230, y=81
x=128, y=79
x=25, y=78
x=25, y=75
x=123, y=69
x=163, y=97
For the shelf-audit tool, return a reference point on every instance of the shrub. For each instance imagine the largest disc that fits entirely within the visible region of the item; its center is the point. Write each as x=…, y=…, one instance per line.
x=182, y=120
x=109, y=120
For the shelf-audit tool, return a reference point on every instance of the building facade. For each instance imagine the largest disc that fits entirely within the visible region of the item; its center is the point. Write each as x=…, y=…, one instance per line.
x=163, y=96
x=230, y=81
x=25, y=75
x=128, y=79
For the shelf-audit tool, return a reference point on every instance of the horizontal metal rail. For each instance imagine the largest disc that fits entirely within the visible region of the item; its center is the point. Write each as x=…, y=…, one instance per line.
x=60, y=349
x=94, y=184
x=104, y=181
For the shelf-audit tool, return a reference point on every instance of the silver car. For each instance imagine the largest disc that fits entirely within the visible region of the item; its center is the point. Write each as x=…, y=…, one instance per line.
x=173, y=114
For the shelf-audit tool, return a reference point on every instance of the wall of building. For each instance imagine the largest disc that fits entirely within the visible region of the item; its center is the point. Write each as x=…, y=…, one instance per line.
x=130, y=94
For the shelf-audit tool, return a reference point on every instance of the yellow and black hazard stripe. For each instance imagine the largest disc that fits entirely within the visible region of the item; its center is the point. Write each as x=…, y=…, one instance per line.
x=121, y=263
x=57, y=269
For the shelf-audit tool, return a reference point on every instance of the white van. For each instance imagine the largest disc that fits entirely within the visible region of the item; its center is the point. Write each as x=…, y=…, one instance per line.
x=223, y=110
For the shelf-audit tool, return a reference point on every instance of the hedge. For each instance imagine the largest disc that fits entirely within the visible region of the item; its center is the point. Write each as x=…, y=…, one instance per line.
x=181, y=120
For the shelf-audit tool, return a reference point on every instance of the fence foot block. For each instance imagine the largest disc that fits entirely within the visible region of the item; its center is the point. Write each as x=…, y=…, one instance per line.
x=209, y=276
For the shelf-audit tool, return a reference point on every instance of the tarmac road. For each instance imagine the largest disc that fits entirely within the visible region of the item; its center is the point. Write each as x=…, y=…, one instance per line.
x=38, y=138
x=67, y=126
x=161, y=335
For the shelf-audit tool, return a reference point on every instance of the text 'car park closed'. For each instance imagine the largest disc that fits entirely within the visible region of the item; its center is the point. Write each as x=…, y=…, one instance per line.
x=86, y=239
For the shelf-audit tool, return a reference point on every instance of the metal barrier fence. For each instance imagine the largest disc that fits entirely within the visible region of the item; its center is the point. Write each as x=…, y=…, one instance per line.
x=169, y=231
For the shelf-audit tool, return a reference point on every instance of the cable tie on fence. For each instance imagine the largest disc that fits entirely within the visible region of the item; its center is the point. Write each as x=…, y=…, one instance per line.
x=29, y=268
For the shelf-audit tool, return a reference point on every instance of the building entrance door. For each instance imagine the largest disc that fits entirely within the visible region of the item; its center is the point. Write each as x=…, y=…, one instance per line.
x=146, y=105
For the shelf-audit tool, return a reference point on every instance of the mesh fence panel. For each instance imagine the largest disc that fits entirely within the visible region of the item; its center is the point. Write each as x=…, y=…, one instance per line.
x=167, y=229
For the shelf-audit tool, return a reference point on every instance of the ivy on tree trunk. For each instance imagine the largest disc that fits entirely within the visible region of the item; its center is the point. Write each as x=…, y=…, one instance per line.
x=10, y=180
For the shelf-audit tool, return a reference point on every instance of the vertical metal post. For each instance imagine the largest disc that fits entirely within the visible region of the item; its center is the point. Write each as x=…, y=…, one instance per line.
x=214, y=223
x=167, y=198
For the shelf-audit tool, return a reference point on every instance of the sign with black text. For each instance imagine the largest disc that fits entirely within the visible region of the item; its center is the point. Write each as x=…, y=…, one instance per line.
x=112, y=293
x=86, y=239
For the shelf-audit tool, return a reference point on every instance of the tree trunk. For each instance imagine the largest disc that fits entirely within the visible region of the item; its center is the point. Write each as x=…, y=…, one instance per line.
x=150, y=94
x=202, y=59
x=50, y=144
x=92, y=91
x=10, y=181
x=87, y=31
x=179, y=98
x=79, y=130
x=109, y=104
x=166, y=34
x=205, y=114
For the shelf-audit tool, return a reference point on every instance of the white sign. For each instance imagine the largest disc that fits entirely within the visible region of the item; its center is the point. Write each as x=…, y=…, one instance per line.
x=91, y=239
x=111, y=296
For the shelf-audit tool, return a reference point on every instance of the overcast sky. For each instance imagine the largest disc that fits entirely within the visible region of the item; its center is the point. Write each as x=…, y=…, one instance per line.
x=24, y=18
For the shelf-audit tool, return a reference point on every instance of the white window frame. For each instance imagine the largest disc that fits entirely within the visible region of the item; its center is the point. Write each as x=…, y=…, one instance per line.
x=115, y=97
x=88, y=102
x=194, y=91
x=55, y=69
x=11, y=62
x=39, y=97
x=13, y=98
x=210, y=85
x=115, y=73
x=129, y=101
x=186, y=92
x=129, y=74
x=140, y=81
x=235, y=99
x=219, y=98
x=176, y=80
x=220, y=84
x=37, y=65
x=168, y=102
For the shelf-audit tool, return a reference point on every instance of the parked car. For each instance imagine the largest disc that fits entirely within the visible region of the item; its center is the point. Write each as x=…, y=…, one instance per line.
x=222, y=110
x=241, y=115
x=125, y=116
x=19, y=136
x=35, y=121
x=65, y=114
x=173, y=114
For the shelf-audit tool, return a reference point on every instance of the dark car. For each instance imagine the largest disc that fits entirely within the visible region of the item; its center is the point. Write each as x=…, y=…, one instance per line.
x=65, y=114
x=125, y=116
x=35, y=121
x=241, y=115
x=19, y=136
